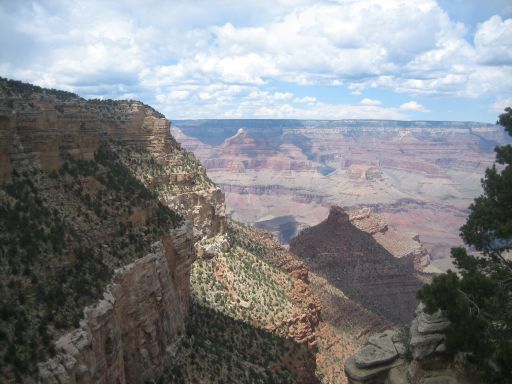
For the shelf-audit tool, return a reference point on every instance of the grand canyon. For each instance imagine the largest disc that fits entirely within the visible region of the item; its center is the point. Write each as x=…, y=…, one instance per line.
x=256, y=192
x=282, y=175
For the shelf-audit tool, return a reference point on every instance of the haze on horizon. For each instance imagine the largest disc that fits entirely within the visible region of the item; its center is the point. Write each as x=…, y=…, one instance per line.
x=300, y=59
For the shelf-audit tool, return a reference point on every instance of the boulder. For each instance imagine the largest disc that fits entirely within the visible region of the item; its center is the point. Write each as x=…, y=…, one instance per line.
x=379, y=350
x=375, y=374
x=431, y=323
x=423, y=344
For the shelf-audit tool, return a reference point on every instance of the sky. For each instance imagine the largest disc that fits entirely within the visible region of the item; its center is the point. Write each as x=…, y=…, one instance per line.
x=345, y=59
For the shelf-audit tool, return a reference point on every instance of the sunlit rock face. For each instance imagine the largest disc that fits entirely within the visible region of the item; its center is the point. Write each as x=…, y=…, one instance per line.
x=128, y=334
x=283, y=175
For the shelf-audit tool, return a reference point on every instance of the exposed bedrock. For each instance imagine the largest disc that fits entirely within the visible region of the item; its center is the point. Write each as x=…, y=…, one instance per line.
x=127, y=336
x=353, y=261
x=416, y=355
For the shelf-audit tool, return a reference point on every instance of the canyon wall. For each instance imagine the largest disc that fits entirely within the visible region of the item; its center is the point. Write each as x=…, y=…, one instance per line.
x=351, y=260
x=128, y=336
x=283, y=175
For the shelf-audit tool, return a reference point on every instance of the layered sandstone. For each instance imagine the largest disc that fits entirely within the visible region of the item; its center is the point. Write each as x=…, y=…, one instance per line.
x=406, y=357
x=353, y=261
x=127, y=337
x=420, y=175
x=407, y=248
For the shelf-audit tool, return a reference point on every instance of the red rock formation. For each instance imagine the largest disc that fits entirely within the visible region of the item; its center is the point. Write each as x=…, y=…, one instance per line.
x=125, y=336
x=353, y=261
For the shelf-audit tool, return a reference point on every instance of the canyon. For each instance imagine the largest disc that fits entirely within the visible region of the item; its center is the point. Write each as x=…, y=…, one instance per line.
x=118, y=263
x=283, y=175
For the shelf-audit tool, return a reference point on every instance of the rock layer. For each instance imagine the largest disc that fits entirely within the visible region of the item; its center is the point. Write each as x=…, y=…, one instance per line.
x=407, y=248
x=127, y=336
x=419, y=174
x=419, y=358
x=354, y=262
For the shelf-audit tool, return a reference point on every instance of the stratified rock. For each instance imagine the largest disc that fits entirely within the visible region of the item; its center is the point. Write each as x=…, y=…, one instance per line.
x=379, y=350
x=429, y=363
x=426, y=333
x=384, y=340
x=431, y=323
x=374, y=374
x=403, y=246
x=124, y=337
x=210, y=247
x=371, y=355
x=398, y=375
x=354, y=262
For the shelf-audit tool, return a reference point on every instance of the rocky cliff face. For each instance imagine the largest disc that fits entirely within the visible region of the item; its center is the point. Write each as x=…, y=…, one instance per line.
x=414, y=355
x=407, y=248
x=99, y=187
x=38, y=127
x=354, y=262
x=128, y=336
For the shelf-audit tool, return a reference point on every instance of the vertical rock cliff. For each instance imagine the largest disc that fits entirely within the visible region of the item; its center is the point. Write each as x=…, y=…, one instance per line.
x=101, y=187
x=128, y=335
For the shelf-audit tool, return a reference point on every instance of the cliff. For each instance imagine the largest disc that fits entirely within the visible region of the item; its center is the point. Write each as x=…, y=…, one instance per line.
x=283, y=175
x=93, y=196
x=117, y=261
x=406, y=248
x=355, y=263
x=127, y=336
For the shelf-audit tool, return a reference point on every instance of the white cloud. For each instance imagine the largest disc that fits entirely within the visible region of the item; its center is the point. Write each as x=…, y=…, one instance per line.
x=493, y=41
x=192, y=57
x=500, y=104
x=306, y=100
x=413, y=106
x=367, y=101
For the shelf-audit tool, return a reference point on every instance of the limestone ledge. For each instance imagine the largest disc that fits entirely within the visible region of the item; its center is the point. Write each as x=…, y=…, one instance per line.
x=129, y=335
x=392, y=357
x=205, y=208
x=409, y=249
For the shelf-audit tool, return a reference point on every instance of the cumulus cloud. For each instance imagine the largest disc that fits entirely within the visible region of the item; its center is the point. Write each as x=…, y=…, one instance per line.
x=367, y=101
x=191, y=58
x=413, y=106
x=500, y=104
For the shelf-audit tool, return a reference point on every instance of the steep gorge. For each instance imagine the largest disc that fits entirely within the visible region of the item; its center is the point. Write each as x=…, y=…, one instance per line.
x=283, y=175
x=103, y=215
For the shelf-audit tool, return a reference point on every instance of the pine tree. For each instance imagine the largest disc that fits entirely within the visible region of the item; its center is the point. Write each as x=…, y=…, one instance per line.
x=478, y=299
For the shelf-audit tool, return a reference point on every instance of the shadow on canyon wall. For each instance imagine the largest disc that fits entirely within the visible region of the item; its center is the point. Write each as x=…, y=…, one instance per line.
x=351, y=260
x=221, y=349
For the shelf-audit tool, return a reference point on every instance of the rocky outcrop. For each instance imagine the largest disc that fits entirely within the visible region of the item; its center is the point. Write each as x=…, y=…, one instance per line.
x=38, y=128
x=354, y=262
x=128, y=335
x=407, y=248
x=398, y=357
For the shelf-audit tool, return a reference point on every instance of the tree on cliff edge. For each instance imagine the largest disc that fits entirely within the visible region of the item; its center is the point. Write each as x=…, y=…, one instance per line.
x=478, y=300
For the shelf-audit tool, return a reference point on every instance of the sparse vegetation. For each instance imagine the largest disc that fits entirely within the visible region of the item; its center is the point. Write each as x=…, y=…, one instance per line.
x=238, y=328
x=61, y=236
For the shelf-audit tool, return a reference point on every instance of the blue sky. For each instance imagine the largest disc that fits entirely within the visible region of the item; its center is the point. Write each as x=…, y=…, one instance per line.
x=390, y=59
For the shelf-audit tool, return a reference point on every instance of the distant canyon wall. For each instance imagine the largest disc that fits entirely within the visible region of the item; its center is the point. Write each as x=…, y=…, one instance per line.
x=421, y=176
